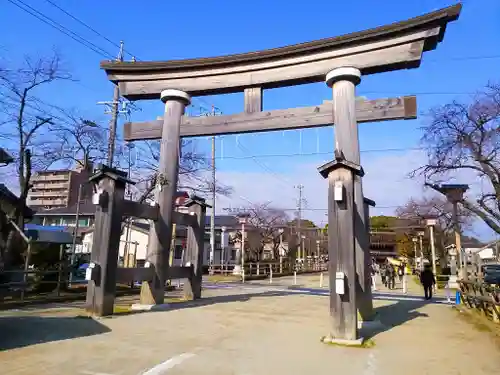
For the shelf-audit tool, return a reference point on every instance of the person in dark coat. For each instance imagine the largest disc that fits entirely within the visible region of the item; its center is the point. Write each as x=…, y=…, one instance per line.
x=391, y=276
x=428, y=281
x=383, y=274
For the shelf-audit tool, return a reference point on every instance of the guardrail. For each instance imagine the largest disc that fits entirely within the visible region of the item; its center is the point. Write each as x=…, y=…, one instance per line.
x=265, y=269
x=482, y=297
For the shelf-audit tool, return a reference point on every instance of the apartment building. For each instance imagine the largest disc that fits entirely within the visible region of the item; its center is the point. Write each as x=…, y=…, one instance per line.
x=58, y=188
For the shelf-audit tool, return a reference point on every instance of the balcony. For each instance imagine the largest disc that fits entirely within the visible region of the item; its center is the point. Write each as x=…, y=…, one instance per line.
x=51, y=177
x=47, y=202
x=47, y=194
x=50, y=185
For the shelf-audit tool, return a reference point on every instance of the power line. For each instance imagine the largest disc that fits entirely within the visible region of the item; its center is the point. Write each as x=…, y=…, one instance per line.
x=319, y=153
x=56, y=25
x=306, y=209
x=264, y=166
x=87, y=26
x=361, y=93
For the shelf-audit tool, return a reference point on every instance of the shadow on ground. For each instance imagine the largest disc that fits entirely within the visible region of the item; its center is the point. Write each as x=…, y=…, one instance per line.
x=20, y=331
x=392, y=315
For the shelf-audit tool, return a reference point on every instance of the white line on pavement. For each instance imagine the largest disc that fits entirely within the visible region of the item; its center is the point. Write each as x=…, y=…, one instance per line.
x=371, y=365
x=168, y=364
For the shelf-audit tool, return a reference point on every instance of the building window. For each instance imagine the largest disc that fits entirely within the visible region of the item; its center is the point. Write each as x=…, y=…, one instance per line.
x=233, y=254
x=83, y=222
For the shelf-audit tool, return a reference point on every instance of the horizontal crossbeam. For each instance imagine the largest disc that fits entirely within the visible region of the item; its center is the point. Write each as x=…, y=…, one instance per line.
x=140, y=210
x=282, y=119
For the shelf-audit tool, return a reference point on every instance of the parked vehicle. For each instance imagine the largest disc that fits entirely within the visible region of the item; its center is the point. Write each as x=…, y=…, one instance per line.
x=491, y=273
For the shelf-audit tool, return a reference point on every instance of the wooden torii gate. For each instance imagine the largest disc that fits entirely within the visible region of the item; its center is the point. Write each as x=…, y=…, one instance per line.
x=340, y=62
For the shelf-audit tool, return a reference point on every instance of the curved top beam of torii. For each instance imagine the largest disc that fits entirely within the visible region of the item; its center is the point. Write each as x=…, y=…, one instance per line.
x=396, y=46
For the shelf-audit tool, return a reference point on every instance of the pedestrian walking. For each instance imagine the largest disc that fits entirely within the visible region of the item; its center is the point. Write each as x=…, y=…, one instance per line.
x=428, y=281
x=400, y=273
x=391, y=276
x=383, y=274
x=373, y=272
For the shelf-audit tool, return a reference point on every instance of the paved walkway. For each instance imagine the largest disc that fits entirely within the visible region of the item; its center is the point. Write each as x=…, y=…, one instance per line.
x=246, y=330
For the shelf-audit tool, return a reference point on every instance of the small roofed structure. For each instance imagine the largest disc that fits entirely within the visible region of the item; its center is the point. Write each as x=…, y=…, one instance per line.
x=5, y=157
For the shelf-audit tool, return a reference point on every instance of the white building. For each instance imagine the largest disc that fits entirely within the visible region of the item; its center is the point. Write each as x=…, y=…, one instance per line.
x=134, y=242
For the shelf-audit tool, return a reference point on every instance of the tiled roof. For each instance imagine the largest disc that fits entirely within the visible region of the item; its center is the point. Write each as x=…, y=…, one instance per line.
x=8, y=196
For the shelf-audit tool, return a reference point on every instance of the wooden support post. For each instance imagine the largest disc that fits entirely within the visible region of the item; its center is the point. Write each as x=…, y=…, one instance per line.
x=166, y=187
x=343, y=82
x=253, y=99
x=106, y=239
x=195, y=247
x=341, y=248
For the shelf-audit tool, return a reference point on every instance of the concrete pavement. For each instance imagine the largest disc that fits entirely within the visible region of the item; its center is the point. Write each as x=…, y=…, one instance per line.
x=245, y=329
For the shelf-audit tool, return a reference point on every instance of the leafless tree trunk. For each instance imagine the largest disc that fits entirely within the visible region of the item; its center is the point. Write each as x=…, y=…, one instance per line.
x=466, y=137
x=24, y=116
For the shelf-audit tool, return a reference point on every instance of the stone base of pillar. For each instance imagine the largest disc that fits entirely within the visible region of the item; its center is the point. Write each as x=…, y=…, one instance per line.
x=342, y=342
x=143, y=307
x=237, y=270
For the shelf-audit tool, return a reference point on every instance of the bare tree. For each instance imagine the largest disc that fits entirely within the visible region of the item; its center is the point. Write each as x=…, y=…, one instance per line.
x=416, y=211
x=80, y=141
x=264, y=224
x=24, y=122
x=193, y=168
x=25, y=117
x=466, y=137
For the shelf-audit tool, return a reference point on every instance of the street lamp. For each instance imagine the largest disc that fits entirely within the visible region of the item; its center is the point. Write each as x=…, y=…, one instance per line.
x=420, y=237
x=431, y=223
x=415, y=240
x=223, y=245
x=281, y=231
x=455, y=193
x=239, y=267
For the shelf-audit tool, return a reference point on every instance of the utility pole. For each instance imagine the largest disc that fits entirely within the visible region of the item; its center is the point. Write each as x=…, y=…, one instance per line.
x=114, y=115
x=299, y=219
x=212, y=217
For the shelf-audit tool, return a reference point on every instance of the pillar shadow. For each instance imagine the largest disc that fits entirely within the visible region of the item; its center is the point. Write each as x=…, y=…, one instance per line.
x=21, y=331
x=391, y=316
x=394, y=315
x=230, y=298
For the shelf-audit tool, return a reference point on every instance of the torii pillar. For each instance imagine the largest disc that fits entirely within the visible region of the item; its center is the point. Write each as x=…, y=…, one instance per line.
x=343, y=82
x=166, y=186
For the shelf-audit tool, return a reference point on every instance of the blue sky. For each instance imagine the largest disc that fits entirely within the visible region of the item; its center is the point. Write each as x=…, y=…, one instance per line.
x=163, y=30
